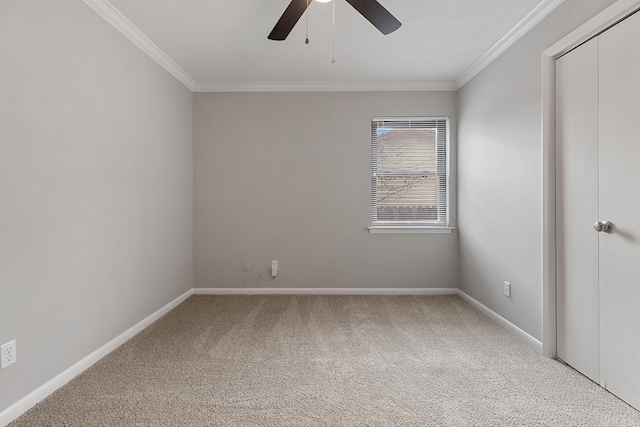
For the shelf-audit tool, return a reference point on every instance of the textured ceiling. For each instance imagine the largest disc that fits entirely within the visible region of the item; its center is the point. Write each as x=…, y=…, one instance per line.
x=225, y=42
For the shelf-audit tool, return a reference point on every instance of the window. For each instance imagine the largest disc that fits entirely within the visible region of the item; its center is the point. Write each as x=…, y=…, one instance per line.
x=409, y=172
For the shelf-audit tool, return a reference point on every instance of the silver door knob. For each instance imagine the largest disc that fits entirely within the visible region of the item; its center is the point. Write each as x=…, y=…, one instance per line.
x=606, y=226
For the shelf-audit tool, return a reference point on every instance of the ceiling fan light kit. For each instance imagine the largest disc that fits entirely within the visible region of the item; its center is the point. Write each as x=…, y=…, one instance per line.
x=373, y=12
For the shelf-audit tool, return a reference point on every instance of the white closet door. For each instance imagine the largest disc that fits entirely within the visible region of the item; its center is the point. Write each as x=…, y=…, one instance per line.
x=620, y=204
x=577, y=208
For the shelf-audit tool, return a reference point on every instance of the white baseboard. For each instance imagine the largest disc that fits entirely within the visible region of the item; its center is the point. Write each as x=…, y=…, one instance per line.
x=30, y=400
x=537, y=345
x=325, y=291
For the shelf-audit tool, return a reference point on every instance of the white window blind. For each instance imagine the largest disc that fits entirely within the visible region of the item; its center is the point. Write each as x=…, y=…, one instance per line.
x=409, y=165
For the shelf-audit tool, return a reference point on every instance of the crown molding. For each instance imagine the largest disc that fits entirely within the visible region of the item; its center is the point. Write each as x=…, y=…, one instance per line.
x=105, y=9
x=133, y=33
x=325, y=87
x=518, y=31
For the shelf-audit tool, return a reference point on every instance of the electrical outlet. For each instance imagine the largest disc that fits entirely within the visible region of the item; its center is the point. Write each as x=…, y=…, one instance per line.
x=274, y=268
x=246, y=266
x=507, y=289
x=8, y=354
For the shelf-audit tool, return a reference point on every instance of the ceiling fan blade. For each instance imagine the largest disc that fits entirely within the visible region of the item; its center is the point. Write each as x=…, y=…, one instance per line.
x=375, y=13
x=288, y=20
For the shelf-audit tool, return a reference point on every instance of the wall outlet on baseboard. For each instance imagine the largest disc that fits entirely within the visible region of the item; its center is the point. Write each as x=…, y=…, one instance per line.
x=507, y=289
x=246, y=265
x=8, y=354
x=274, y=268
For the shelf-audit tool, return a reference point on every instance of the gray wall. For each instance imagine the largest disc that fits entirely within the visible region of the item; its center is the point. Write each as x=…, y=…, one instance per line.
x=95, y=185
x=499, y=178
x=286, y=176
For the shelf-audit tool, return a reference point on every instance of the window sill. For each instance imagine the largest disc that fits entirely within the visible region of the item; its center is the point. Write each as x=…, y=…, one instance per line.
x=404, y=229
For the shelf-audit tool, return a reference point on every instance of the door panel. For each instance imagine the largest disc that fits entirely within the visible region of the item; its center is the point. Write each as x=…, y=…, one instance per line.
x=577, y=208
x=620, y=204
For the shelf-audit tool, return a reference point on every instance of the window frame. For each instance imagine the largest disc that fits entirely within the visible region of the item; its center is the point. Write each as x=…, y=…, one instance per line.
x=439, y=226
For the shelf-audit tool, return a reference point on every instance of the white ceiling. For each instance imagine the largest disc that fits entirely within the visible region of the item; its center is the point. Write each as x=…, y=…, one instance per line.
x=222, y=44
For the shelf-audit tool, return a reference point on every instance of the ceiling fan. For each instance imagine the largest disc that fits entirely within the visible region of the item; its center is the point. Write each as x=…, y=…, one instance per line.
x=373, y=11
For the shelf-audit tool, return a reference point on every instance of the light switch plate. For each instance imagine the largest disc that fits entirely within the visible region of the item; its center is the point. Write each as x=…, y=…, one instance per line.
x=507, y=289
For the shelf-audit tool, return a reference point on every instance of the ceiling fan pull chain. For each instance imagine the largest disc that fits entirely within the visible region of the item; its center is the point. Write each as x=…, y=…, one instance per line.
x=306, y=41
x=333, y=36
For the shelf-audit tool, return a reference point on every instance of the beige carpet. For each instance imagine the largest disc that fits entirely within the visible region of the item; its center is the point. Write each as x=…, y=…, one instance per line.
x=328, y=361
